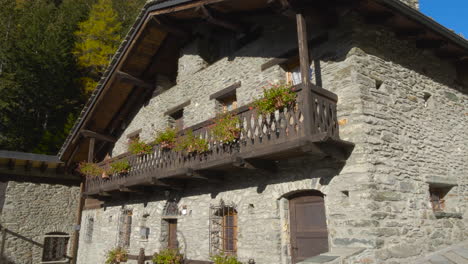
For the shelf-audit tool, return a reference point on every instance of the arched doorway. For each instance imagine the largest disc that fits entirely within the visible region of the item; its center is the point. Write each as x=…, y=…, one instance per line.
x=308, y=225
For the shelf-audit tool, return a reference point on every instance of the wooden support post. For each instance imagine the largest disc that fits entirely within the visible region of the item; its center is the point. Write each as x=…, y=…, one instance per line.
x=76, y=235
x=92, y=142
x=3, y=240
x=305, y=74
x=141, y=256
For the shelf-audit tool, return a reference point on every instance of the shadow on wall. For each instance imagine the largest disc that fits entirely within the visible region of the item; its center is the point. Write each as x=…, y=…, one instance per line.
x=4, y=233
x=286, y=171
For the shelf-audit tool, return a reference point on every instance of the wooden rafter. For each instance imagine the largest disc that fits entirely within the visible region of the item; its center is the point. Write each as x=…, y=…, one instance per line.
x=220, y=22
x=91, y=134
x=170, y=29
x=133, y=80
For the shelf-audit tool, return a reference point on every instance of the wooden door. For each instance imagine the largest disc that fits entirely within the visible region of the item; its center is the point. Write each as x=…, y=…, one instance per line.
x=172, y=241
x=309, y=235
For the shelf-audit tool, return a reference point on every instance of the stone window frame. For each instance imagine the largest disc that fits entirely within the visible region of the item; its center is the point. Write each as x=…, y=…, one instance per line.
x=55, y=248
x=226, y=97
x=175, y=115
x=144, y=229
x=440, y=188
x=219, y=224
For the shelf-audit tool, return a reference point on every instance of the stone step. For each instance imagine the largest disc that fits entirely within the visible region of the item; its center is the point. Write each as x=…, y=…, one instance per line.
x=334, y=256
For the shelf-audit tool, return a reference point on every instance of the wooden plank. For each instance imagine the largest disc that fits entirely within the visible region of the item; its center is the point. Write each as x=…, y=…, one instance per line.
x=177, y=108
x=91, y=134
x=219, y=22
x=303, y=49
x=170, y=28
x=226, y=91
x=184, y=7
x=92, y=142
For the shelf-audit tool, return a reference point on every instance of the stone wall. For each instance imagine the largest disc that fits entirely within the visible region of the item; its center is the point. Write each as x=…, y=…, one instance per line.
x=32, y=210
x=262, y=235
x=398, y=104
x=414, y=130
x=255, y=196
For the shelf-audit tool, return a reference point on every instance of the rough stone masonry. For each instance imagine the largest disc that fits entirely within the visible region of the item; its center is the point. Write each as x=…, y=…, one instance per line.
x=401, y=107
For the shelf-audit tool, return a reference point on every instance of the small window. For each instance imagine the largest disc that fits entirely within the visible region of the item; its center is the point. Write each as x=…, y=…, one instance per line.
x=55, y=246
x=229, y=235
x=437, y=198
x=125, y=228
x=294, y=76
x=176, y=119
x=228, y=103
x=135, y=135
x=144, y=229
x=89, y=230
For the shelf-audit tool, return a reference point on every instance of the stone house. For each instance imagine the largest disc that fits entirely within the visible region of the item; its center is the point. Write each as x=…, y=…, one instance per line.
x=368, y=165
x=38, y=205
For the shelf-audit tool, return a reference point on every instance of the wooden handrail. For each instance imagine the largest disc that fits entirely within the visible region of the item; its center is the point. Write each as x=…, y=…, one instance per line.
x=261, y=135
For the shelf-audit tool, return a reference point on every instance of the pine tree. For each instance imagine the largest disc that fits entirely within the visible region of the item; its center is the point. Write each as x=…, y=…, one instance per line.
x=98, y=39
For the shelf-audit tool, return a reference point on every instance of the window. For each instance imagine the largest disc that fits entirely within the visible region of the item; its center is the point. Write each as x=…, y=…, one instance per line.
x=55, y=246
x=176, y=116
x=294, y=77
x=226, y=99
x=135, y=135
x=223, y=230
x=437, y=198
x=125, y=228
x=228, y=103
x=144, y=230
x=229, y=235
x=176, y=120
x=89, y=230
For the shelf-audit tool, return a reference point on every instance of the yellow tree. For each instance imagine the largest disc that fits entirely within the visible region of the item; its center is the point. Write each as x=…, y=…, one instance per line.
x=97, y=40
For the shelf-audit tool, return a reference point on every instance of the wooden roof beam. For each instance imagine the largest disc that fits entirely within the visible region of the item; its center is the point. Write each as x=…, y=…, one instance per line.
x=133, y=80
x=379, y=17
x=170, y=28
x=91, y=134
x=430, y=43
x=219, y=22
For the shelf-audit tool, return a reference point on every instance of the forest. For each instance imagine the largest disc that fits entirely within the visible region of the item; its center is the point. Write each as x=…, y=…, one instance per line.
x=52, y=53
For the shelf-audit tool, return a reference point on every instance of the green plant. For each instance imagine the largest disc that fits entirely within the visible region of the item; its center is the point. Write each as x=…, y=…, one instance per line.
x=277, y=96
x=116, y=255
x=191, y=143
x=90, y=169
x=168, y=256
x=225, y=259
x=138, y=147
x=166, y=138
x=226, y=128
x=121, y=166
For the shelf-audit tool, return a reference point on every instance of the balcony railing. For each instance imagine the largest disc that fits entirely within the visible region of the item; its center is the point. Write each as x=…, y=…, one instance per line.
x=280, y=135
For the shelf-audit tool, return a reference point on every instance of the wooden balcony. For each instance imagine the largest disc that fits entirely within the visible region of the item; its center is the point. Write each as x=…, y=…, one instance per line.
x=303, y=129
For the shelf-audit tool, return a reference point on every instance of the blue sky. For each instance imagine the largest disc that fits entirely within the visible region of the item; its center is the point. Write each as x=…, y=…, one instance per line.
x=452, y=14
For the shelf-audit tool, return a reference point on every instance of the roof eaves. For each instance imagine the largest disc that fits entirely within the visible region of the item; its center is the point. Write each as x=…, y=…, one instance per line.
x=425, y=20
x=149, y=7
